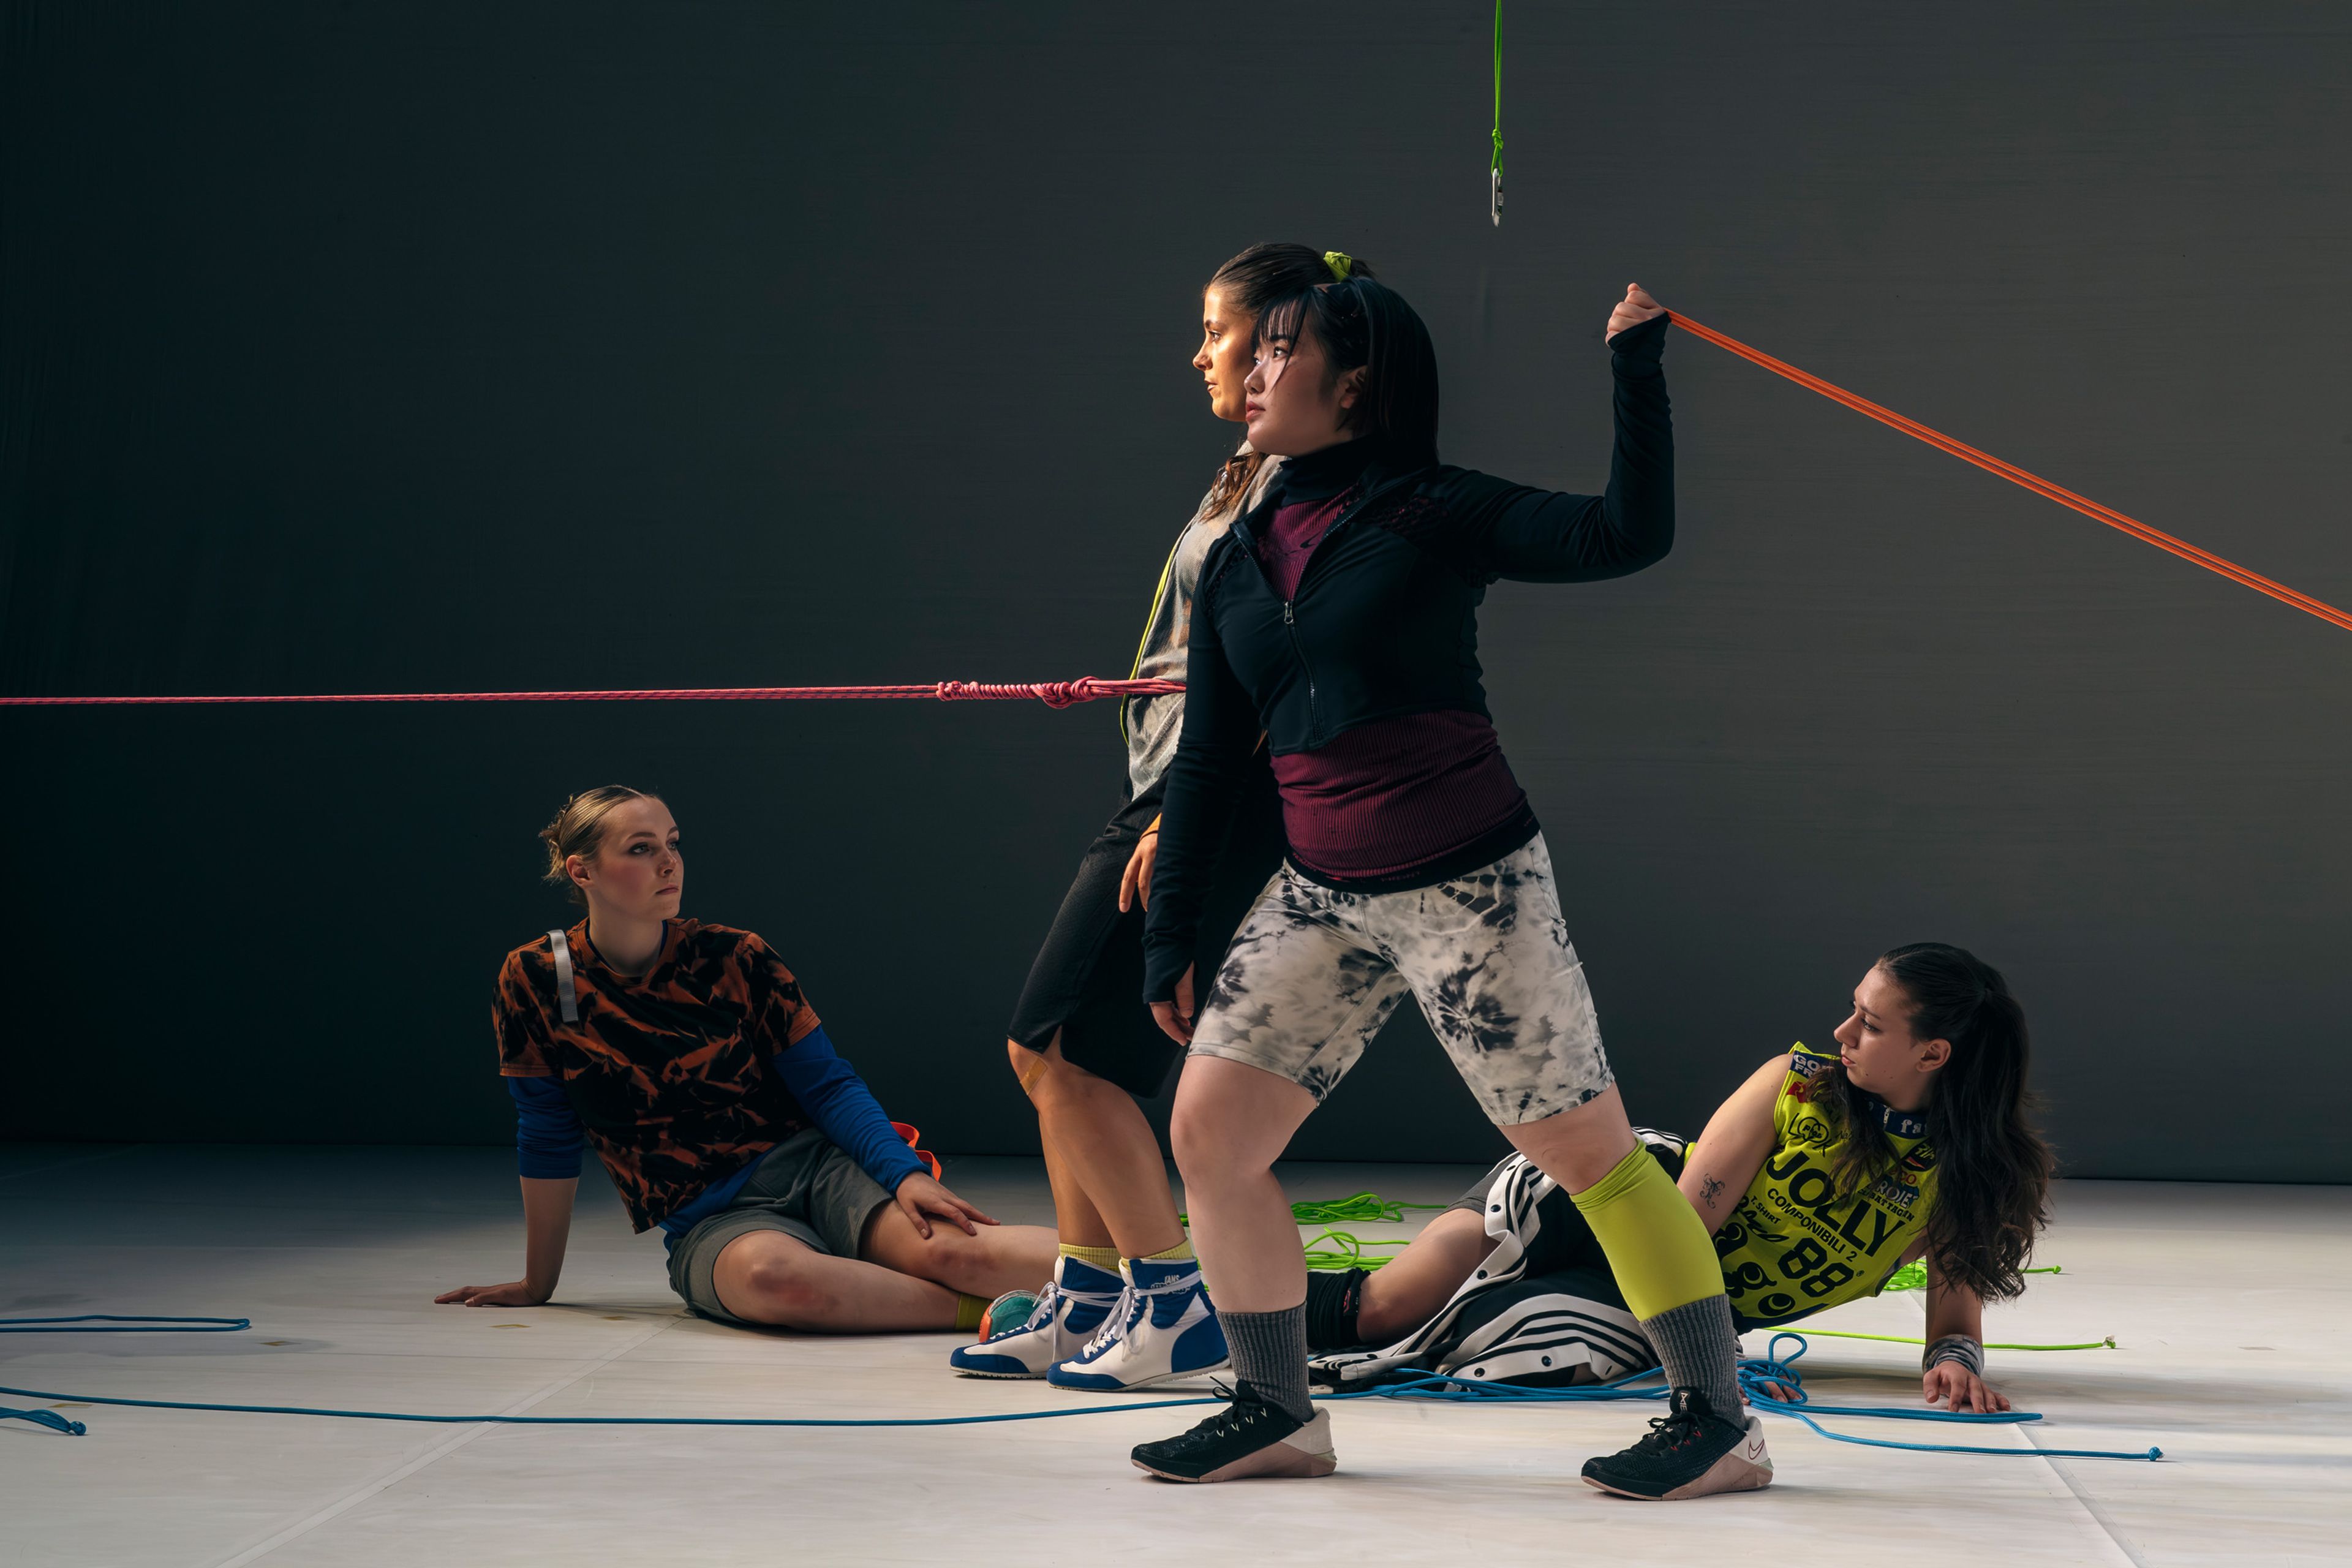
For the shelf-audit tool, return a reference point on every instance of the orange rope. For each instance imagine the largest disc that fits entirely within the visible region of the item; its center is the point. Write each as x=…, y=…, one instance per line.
x=2034, y=482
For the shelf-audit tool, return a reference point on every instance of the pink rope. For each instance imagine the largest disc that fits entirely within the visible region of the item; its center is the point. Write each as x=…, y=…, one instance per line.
x=1052, y=693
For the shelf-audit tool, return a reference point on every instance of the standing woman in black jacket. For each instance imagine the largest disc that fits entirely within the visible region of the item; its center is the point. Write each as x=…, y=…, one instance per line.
x=1340, y=617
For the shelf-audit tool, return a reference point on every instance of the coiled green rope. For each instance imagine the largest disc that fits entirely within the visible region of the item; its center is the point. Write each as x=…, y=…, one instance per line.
x=1347, y=1249
x=1357, y=1208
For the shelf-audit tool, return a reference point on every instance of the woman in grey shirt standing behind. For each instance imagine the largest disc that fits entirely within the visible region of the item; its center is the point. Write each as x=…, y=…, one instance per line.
x=1126, y=1309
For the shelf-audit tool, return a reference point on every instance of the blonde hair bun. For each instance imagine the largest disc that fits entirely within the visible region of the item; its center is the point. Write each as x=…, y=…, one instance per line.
x=578, y=828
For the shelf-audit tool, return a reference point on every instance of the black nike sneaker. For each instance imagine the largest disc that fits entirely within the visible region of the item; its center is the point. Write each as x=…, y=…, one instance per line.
x=1690, y=1452
x=1248, y=1438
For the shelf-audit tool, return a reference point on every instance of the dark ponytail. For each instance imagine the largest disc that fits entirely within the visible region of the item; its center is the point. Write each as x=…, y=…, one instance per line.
x=1249, y=283
x=1992, y=1168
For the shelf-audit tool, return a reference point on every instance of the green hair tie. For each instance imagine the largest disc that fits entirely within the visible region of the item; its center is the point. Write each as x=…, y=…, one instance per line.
x=1340, y=263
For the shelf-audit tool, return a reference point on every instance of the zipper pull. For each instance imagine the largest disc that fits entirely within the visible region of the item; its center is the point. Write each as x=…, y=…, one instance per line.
x=1286, y=613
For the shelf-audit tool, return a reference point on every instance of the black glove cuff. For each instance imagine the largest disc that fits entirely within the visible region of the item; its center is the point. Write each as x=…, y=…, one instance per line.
x=1643, y=344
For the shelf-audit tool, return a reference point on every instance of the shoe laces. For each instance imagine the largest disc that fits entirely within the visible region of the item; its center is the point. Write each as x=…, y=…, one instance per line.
x=1668, y=1432
x=1131, y=1303
x=1242, y=1411
x=1679, y=1426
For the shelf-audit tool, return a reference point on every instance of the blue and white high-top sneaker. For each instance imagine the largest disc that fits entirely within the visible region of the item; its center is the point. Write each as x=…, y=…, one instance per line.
x=1074, y=1308
x=1168, y=1332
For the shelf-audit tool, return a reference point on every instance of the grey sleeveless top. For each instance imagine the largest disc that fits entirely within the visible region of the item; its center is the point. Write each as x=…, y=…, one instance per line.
x=1150, y=724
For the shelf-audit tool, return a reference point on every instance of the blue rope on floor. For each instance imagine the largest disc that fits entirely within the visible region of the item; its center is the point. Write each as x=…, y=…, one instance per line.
x=115, y=1325
x=1771, y=1368
x=147, y=1325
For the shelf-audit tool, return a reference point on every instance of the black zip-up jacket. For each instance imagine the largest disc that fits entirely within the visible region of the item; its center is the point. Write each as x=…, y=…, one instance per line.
x=1385, y=618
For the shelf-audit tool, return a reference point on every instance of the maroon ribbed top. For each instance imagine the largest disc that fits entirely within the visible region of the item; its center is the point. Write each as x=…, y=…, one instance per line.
x=1385, y=799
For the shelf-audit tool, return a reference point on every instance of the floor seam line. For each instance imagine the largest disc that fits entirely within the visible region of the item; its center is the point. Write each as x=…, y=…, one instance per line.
x=378, y=1484
x=2089, y=1504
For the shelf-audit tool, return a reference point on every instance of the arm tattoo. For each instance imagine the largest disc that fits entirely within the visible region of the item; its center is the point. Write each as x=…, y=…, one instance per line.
x=1709, y=1189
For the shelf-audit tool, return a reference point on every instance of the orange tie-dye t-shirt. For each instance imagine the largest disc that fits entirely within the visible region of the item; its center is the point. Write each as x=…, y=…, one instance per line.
x=668, y=1069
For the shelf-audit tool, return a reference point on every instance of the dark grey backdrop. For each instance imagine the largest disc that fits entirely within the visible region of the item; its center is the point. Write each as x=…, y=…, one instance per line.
x=378, y=346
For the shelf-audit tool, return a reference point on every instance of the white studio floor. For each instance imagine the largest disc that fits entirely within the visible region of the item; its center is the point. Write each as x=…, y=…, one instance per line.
x=2228, y=1304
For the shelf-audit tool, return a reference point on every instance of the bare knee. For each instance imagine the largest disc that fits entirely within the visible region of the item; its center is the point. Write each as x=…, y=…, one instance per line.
x=946, y=1256
x=774, y=1287
x=1205, y=1158
x=1028, y=1066
x=1052, y=1081
x=1579, y=1146
x=1233, y=1121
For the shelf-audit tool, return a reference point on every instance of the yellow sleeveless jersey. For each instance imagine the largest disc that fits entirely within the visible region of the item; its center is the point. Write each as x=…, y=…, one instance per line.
x=1792, y=1247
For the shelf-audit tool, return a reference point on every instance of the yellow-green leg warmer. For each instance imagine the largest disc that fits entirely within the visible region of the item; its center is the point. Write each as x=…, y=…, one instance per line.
x=1657, y=1246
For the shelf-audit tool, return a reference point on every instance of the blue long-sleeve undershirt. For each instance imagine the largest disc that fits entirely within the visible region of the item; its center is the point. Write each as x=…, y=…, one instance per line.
x=549, y=1137
x=548, y=1134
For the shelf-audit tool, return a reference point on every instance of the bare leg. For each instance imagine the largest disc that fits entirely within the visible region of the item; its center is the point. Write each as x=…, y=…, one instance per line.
x=1001, y=1257
x=1098, y=1134
x=900, y=1281
x=1578, y=1147
x=1075, y=1219
x=767, y=1277
x=1232, y=1122
x=1407, y=1293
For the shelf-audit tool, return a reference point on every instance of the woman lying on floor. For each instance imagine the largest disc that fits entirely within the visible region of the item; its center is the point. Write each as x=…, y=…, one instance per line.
x=687, y=1055
x=1820, y=1178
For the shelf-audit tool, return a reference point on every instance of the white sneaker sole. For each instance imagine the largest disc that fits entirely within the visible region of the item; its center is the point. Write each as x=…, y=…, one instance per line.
x=1160, y=1380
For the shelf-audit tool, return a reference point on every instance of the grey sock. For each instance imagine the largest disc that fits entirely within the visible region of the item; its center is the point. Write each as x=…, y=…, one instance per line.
x=1700, y=1348
x=1270, y=1355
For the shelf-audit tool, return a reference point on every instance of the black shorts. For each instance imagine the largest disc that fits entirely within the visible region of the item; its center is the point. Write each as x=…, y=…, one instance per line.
x=1087, y=979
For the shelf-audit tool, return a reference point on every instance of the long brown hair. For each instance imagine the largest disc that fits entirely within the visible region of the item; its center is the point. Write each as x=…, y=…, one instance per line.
x=1993, y=1166
x=1249, y=283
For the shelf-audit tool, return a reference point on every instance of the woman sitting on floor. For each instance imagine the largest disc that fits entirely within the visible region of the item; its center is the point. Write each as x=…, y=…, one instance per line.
x=687, y=1055
x=1820, y=1178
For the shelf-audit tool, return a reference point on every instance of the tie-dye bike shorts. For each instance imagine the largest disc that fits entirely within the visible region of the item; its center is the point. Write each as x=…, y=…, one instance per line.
x=1314, y=972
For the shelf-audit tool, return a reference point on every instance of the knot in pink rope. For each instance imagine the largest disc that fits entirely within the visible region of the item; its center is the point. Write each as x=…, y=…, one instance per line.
x=1054, y=693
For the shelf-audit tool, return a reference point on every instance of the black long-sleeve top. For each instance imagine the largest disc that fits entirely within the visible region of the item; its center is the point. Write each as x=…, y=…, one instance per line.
x=1383, y=621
